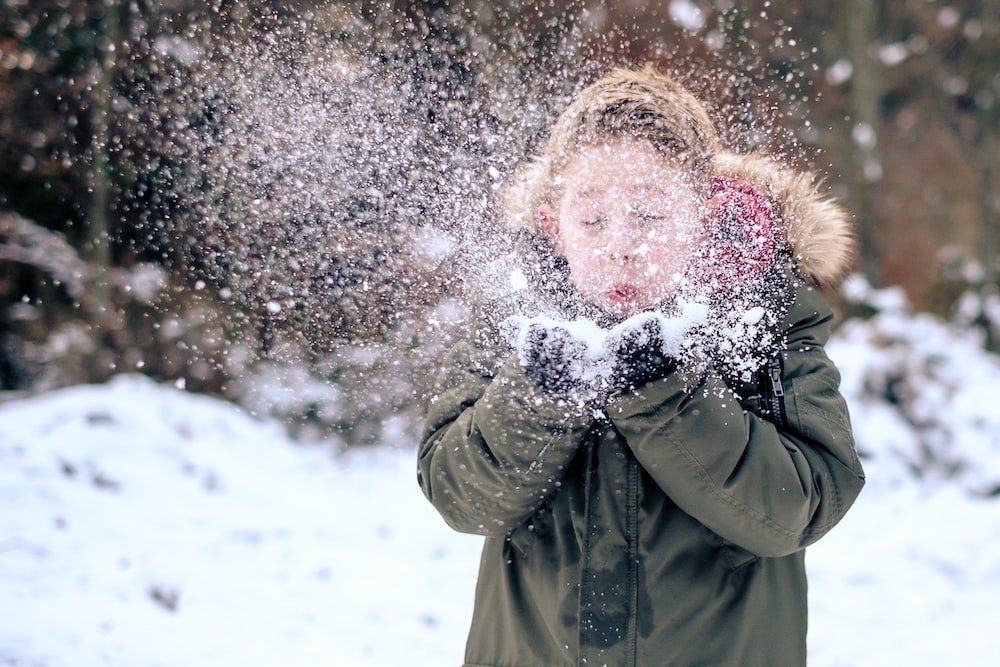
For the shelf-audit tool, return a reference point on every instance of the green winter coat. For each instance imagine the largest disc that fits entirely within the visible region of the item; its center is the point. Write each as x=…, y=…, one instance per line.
x=667, y=528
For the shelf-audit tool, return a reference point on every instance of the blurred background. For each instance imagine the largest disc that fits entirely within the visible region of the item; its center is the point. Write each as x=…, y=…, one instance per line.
x=276, y=202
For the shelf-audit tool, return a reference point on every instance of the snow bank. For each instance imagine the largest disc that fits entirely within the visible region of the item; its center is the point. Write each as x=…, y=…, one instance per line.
x=922, y=395
x=146, y=526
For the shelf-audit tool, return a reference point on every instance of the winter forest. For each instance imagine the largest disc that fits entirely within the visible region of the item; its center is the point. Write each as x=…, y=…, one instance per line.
x=238, y=238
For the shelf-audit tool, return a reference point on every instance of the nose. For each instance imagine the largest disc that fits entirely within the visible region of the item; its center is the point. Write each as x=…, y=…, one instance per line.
x=621, y=246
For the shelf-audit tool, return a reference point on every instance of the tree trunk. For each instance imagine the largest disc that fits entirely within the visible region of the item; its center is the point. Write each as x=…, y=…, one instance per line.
x=865, y=126
x=989, y=117
x=97, y=245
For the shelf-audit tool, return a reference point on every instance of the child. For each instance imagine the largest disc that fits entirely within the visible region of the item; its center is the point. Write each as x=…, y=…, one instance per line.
x=655, y=512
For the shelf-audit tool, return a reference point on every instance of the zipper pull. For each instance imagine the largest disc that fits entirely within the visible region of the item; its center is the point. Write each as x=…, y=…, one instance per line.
x=774, y=372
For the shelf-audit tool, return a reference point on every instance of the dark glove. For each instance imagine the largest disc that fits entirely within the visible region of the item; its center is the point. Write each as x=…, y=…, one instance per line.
x=638, y=355
x=552, y=358
x=556, y=361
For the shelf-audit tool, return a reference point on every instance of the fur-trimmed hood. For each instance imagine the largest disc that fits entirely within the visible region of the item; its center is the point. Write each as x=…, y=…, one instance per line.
x=818, y=230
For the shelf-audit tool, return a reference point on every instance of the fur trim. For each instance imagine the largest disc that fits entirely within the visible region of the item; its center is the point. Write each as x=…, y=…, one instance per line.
x=818, y=230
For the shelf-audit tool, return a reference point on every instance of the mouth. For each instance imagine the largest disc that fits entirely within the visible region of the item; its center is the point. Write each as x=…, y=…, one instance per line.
x=623, y=293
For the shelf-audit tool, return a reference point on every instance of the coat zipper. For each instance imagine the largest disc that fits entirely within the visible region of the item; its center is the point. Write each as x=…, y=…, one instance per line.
x=585, y=586
x=632, y=548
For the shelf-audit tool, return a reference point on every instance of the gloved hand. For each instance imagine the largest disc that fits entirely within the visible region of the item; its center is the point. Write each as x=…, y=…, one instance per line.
x=638, y=355
x=561, y=363
x=553, y=359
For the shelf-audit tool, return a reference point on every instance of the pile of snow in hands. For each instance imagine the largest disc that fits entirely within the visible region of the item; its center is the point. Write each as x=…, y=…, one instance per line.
x=736, y=338
x=598, y=344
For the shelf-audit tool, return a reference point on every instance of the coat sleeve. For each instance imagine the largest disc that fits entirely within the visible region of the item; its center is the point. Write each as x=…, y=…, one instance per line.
x=494, y=446
x=771, y=492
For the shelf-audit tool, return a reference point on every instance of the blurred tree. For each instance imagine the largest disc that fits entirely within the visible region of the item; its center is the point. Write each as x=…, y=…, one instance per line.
x=985, y=90
x=865, y=124
x=98, y=227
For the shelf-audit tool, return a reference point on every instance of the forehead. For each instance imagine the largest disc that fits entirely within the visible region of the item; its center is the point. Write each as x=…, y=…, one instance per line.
x=621, y=165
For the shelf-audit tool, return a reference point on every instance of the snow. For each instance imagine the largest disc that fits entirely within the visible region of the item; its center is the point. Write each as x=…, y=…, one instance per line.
x=275, y=553
x=840, y=72
x=598, y=345
x=864, y=135
x=948, y=17
x=144, y=526
x=687, y=15
x=910, y=577
x=893, y=54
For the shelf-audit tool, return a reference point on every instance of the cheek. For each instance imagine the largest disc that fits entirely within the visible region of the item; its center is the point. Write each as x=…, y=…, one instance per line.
x=583, y=264
x=675, y=243
x=589, y=269
x=668, y=255
x=580, y=251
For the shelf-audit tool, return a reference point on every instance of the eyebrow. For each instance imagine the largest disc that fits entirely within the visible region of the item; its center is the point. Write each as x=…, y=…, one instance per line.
x=644, y=190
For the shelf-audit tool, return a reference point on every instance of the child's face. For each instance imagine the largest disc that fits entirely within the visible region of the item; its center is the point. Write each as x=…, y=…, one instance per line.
x=627, y=223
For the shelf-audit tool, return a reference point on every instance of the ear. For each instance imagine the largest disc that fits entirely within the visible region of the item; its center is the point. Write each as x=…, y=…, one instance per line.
x=547, y=221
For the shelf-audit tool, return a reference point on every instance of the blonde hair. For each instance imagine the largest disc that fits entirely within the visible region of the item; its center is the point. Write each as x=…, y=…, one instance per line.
x=642, y=104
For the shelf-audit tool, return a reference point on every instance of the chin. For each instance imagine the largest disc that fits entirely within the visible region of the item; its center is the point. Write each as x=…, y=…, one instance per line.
x=622, y=310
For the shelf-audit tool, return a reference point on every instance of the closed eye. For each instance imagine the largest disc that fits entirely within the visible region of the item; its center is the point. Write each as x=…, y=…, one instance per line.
x=650, y=218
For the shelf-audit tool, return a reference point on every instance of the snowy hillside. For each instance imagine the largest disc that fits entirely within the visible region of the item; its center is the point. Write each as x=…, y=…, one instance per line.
x=143, y=526
x=146, y=526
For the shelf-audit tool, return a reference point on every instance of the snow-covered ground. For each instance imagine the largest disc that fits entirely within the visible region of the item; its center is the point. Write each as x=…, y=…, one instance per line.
x=141, y=525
